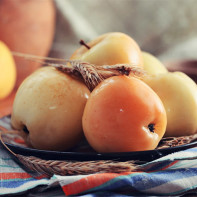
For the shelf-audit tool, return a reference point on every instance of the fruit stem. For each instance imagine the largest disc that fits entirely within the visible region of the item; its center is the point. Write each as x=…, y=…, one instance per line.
x=92, y=75
x=81, y=42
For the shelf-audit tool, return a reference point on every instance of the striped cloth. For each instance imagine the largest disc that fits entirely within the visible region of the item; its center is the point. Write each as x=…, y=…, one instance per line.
x=174, y=174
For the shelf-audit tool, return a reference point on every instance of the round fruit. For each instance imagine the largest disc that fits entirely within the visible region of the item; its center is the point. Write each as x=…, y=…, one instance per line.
x=123, y=114
x=109, y=49
x=27, y=27
x=178, y=93
x=7, y=71
x=49, y=106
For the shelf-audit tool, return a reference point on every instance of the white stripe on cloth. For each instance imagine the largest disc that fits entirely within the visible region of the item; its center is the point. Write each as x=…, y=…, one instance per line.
x=65, y=180
x=184, y=164
x=174, y=187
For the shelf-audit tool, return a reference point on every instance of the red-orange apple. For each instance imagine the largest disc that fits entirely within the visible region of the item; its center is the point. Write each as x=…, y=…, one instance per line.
x=124, y=114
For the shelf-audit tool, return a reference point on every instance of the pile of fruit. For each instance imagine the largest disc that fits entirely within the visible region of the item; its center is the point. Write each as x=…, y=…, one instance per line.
x=122, y=112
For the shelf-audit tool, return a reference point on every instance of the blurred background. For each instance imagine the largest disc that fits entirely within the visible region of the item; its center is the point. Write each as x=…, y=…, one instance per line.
x=165, y=28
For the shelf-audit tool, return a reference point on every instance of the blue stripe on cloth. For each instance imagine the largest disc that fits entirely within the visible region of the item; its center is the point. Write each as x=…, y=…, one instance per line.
x=143, y=181
x=24, y=187
x=149, y=180
x=175, y=187
x=16, y=183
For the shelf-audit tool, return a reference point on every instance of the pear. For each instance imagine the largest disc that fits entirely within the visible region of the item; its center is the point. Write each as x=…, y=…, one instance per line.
x=153, y=65
x=48, y=107
x=178, y=93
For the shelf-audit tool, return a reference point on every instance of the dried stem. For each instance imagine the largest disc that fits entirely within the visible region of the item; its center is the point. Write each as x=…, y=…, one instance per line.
x=35, y=57
x=50, y=167
x=91, y=74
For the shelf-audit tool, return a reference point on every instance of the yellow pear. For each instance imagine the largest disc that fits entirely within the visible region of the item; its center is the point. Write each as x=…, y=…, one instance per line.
x=153, y=65
x=178, y=93
x=49, y=106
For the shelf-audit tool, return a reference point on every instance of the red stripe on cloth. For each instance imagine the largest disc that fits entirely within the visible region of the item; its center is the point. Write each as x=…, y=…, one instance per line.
x=19, y=141
x=164, y=168
x=14, y=175
x=171, y=164
x=89, y=182
x=41, y=177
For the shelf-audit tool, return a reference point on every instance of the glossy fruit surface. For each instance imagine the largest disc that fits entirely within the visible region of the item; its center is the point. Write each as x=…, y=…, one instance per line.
x=124, y=114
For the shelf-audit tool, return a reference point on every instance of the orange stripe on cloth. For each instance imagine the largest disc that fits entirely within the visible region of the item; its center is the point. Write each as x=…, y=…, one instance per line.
x=14, y=175
x=19, y=175
x=89, y=182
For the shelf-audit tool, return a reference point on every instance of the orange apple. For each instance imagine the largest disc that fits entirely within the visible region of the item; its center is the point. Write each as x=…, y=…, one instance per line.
x=124, y=114
x=109, y=49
